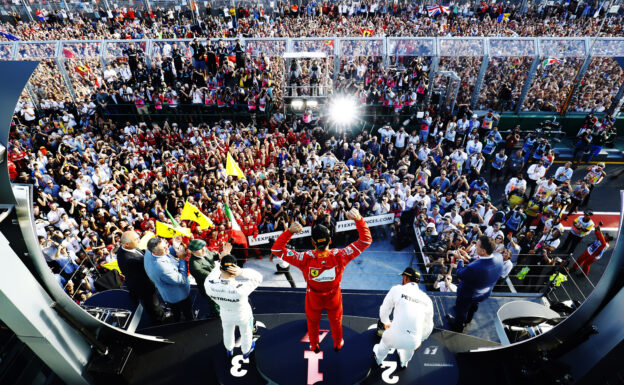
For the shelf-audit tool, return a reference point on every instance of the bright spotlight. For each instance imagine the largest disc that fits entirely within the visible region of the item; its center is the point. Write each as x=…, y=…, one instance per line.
x=343, y=110
x=311, y=104
x=297, y=104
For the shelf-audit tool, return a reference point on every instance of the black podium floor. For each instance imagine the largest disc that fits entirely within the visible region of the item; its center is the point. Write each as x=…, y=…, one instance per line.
x=356, y=303
x=190, y=359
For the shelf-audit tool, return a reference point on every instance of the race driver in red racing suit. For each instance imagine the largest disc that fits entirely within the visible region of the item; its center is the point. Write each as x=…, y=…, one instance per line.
x=322, y=269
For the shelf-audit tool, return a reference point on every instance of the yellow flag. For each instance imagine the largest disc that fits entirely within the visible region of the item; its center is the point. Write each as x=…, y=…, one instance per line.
x=231, y=168
x=112, y=265
x=143, y=242
x=166, y=231
x=192, y=213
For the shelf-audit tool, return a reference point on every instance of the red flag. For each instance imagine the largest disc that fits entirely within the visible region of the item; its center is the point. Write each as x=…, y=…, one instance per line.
x=68, y=53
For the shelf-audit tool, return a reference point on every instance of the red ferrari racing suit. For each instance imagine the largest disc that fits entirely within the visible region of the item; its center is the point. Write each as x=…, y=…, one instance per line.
x=322, y=271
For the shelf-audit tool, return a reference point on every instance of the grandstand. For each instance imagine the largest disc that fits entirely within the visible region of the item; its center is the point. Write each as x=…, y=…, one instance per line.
x=213, y=127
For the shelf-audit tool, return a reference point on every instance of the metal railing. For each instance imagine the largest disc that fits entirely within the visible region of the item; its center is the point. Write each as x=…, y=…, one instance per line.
x=540, y=279
x=445, y=54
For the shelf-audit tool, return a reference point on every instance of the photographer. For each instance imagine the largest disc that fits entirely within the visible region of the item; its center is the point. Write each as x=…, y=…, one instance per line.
x=444, y=282
x=540, y=260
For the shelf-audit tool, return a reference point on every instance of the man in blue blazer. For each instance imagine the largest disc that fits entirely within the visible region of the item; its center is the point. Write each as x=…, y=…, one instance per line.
x=170, y=275
x=477, y=280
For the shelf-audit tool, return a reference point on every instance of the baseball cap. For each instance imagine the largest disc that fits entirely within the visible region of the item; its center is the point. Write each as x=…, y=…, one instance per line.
x=320, y=235
x=196, y=244
x=410, y=272
x=227, y=261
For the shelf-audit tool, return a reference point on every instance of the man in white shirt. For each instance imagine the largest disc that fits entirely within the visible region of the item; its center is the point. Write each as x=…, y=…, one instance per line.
x=535, y=172
x=71, y=242
x=420, y=196
x=130, y=129
x=473, y=147
x=445, y=225
x=55, y=213
x=517, y=183
x=456, y=219
x=494, y=231
x=459, y=157
x=232, y=297
x=79, y=193
x=423, y=152
x=507, y=264
x=386, y=132
x=109, y=74
x=412, y=322
x=546, y=186
x=564, y=173
x=400, y=139
x=474, y=122
x=395, y=191
x=463, y=124
x=445, y=284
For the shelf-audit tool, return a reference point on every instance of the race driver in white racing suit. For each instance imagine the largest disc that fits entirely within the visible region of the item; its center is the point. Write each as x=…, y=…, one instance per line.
x=412, y=322
x=232, y=297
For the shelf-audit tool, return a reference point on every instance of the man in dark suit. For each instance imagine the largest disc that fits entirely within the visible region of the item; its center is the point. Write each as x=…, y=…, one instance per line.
x=477, y=280
x=141, y=288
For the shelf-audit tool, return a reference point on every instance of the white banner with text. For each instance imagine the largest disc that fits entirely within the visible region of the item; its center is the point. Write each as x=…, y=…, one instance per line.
x=377, y=220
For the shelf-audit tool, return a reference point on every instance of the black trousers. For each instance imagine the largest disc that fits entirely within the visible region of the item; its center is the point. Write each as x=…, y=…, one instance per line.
x=465, y=308
x=183, y=307
x=574, y=205
x=586, y=200
x=531, y=184
x=571, y=242
x=495, y=173
x=152, y=305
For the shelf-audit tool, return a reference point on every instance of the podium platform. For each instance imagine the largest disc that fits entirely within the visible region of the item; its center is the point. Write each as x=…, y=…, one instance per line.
x=197, y=356
x=237, y=370
x=432, y=363
x=283, y=356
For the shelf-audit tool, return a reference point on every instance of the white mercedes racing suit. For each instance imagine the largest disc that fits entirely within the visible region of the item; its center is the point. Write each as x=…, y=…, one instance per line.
x=232, y=297
x=411, y=325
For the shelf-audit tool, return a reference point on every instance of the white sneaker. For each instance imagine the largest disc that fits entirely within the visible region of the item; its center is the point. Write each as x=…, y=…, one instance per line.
x=377, y=360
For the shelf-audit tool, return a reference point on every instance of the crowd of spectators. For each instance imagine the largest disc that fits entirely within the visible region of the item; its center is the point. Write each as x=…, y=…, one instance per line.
x=103, y=165
x=317, y=18
x=504, y=79
x=106, y=178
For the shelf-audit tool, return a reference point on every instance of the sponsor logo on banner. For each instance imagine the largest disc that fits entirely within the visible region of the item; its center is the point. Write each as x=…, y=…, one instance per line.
x=377, y=220
x=263, y=239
